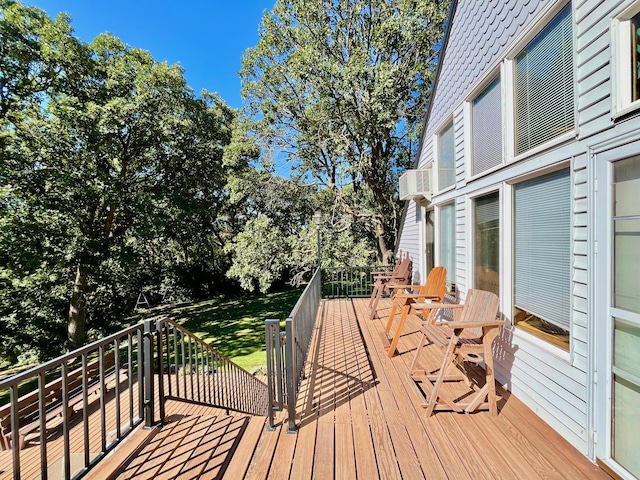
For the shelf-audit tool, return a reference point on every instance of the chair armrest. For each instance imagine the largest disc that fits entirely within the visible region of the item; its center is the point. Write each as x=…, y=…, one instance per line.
x=427, y=306
x=417, y=295
x=382, y=272
x=413, y=287
x=458, y=324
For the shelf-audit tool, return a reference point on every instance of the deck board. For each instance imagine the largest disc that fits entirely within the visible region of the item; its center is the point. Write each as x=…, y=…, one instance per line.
x=358, y=417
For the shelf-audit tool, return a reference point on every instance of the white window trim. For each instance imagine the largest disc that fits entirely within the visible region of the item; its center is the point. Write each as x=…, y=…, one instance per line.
x=436, y=155
x=470, y=241
x=621, y=59
x=436, y=232
x=508, y=74
x=468, y=135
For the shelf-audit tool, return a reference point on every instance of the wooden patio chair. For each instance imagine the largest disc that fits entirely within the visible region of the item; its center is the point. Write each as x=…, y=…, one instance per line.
x=433, y=290
x=478, y=320
x=401, y=275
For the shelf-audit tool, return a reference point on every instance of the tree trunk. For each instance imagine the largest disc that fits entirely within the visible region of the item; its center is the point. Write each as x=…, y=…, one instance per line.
x=384, y=252
x=77, y=330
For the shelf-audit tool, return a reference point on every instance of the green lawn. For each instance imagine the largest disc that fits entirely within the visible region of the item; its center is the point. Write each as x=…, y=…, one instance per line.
x=235, y=326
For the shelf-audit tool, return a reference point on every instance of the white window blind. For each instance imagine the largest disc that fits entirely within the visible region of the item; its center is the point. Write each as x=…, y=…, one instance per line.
x=486, y=129
x=448, y=240
x=446, y=157
x=543, y=247
x=544, y=86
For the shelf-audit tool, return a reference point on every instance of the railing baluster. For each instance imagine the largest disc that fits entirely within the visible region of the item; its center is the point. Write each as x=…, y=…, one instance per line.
x=103, y=416
x=140, y=360
x=42, y=380
x=116, y=366
x=65, y=420
x=130, y=377
x=85, y=410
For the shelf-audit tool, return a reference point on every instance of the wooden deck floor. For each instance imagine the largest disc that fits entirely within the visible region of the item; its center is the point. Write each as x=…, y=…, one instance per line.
x=360, y=419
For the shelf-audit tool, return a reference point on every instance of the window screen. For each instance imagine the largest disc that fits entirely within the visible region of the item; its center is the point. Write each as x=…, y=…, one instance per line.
x=543, y=247
x=446, y=157
x=486, y=129
x=544, y=86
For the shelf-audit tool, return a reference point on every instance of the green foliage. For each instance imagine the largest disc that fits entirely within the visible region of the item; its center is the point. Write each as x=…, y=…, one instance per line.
x=338, y=88
x=234, y=324
x=112, y=180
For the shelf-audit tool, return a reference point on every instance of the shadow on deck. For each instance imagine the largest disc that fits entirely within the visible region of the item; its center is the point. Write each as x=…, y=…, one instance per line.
x=359, y=418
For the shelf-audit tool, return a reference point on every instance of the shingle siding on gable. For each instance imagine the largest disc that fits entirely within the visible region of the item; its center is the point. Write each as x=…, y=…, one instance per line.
x=480, y=34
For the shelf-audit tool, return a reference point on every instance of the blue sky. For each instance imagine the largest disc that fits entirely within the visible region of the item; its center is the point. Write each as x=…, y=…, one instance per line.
x=208, y=38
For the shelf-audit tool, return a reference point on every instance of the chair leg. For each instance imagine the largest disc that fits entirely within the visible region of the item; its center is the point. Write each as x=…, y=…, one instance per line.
x=374, y=307
x=490, y=372
x=447, y=359
x=374, y=292
x=392, y=315
x=414, y=362
x=396, y=337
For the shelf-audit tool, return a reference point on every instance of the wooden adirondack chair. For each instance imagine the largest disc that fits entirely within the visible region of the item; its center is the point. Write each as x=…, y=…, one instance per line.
x=433, y=290
x=478, y=317
x=400, y=276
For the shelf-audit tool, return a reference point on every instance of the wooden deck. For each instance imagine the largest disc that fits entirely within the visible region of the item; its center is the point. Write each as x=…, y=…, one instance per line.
x=360, y=419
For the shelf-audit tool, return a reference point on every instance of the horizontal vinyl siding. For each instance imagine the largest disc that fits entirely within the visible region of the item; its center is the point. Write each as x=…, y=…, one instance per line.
x=410, y=239
x=548, y=385
x=593, y=53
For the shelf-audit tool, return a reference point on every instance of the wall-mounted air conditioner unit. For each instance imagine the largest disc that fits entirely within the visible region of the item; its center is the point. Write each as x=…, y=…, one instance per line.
x=416, y=185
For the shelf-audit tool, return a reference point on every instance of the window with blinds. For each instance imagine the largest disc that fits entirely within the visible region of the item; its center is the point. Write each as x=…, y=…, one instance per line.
x=447, y=240
x=486, y=129
x=446, y=157
x=542, y=211
x=544, y=85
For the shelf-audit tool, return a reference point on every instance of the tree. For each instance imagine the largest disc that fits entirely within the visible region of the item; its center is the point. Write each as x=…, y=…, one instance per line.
x=337, y=88
x=111, y=174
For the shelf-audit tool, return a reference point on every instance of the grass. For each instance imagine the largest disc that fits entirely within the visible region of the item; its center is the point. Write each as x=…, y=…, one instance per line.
x=235, y=326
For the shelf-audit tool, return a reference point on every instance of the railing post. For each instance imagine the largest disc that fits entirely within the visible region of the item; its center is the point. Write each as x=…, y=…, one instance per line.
x=272, y=330
x=291, y=380
x=149, y=393
x=159, y=329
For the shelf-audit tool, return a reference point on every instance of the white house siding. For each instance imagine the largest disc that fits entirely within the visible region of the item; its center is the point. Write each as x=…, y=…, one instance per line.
x=552, y=383
x=410, y=239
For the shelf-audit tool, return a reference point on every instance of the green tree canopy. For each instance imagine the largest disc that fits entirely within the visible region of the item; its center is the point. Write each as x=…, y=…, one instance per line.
x=337, y=88
x=112, y=174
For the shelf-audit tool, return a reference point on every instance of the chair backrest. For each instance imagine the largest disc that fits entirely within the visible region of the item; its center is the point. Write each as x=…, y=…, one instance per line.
x=437, y=277
x=404, y=269
x=480, y=306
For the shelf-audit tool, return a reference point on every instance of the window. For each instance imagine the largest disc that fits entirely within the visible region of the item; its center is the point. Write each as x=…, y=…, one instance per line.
x=447, y=240
x=542, y=229
x=635, y=57
x=544, y=86
x=626, y=299
x=626, y=231
x=486, y=215
x=627, y=58
x=446, y=158
x=429, y=240
x=486, y=129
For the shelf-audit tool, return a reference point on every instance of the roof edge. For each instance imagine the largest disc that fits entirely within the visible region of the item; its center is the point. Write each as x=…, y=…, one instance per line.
x=416, y=162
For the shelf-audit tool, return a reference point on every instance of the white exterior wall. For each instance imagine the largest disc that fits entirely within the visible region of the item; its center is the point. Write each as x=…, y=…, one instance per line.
x=555, y=384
